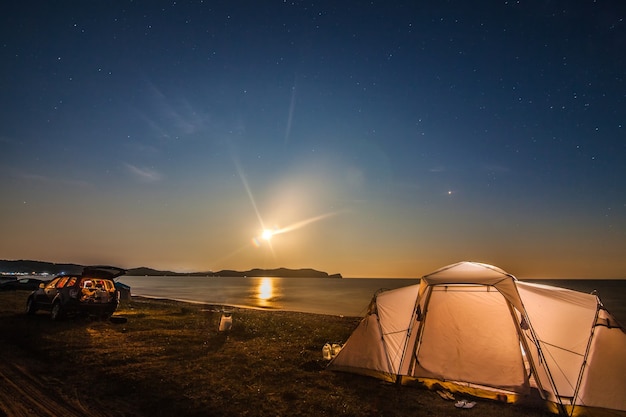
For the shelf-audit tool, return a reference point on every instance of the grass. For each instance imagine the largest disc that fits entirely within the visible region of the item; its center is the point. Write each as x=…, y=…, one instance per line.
x=170, y=359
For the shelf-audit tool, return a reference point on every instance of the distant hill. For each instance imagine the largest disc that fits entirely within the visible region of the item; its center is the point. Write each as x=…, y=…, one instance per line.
x=257, y=272
x=141, y=271
x=39, y=267
x=278, y=272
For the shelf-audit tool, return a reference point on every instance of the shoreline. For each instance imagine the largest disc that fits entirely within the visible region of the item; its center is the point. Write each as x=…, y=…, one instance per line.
x=237, y=306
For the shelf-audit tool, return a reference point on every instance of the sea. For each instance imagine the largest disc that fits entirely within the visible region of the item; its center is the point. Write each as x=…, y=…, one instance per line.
x=332, y=296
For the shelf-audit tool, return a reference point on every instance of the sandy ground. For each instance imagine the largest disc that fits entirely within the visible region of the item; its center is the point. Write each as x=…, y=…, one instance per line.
x=23, y=394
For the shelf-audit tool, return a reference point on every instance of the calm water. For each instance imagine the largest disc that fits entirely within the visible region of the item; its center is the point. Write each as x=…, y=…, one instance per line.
x=348, y=297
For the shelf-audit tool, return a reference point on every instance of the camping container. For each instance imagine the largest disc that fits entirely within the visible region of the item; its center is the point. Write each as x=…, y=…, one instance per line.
x=226, y=321
x=327, y=352
x=335, y=349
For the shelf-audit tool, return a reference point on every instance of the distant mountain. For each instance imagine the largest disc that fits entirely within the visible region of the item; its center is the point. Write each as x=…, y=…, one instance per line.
x=278, y=272
x=149, y=271
x=39, y=267
x=257, y=272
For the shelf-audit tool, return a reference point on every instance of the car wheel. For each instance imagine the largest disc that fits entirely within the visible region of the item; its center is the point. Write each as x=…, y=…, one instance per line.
x=106, y=315
x=31, y=306
x=118, y=319
x=57, y=312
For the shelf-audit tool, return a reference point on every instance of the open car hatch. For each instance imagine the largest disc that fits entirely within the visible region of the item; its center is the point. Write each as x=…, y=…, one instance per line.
x=103, y=271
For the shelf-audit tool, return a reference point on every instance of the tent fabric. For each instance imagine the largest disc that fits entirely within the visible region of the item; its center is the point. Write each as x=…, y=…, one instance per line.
x=475, y=273
x=368, y=355
x=394, y=321
x=454, y=325
x=563, y=321
x=473, y=324
x=600, y=386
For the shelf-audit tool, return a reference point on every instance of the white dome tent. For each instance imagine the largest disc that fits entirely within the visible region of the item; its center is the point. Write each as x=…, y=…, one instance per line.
x=473, y=328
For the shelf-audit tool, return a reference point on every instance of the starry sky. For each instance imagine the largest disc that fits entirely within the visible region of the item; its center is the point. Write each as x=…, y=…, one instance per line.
x=368, y=138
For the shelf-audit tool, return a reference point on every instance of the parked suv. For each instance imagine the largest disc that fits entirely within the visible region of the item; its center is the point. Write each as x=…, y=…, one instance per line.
x=91, y=293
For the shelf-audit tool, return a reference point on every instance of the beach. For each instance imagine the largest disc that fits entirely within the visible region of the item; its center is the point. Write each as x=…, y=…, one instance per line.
x=169, y=358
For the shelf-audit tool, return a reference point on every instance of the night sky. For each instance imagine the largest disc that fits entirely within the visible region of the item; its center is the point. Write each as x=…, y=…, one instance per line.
x=373, y=139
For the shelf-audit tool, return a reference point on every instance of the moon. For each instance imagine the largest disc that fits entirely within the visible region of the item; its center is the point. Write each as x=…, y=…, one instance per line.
x=267, y=234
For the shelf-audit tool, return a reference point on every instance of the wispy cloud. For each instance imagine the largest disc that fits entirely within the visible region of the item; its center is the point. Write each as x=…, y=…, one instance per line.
x=144, y=174
x=176, y=118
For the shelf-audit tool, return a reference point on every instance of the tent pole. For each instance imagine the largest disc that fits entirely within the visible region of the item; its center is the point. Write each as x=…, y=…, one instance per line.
x=531, y=361
x=407, y=340
x=524, y=342
x=382, y=334
x=584, y=364
x=535, y=339
x=420, y=327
